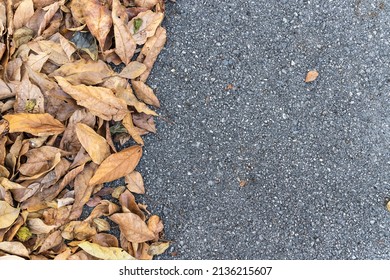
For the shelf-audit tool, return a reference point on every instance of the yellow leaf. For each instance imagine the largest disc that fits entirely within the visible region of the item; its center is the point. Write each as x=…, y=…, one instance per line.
x=311, y=76
x=105, y=253
x=8, y=214
x=15, y=248
x=95, y=145
x=132, y=227
x=100, y=101
x=117, y=165
x=36, y=124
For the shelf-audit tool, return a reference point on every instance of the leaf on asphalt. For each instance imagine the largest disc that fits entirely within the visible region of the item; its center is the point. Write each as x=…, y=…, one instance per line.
x=105, y=253
x=145, y=93
x=125, y=45
x=133, y=70
x=98, y=19
x=158, y=248
x=8, y=214
x=135, y=183
x=95, y=145
x=150, y=22
x=128, y=96
x=155, y=225
x=117, y=165
x=133, y=227
x=151, y=50
x=100, y=101
x=36, y=124
x=127, y=201
x=101, y=225
x=15, y=248
x=311, y=76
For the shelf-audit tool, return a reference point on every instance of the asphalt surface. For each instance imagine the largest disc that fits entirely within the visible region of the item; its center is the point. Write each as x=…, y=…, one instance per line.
x=316, y=157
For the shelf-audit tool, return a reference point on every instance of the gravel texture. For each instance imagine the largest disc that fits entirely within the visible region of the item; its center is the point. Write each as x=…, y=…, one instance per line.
x=316, y=157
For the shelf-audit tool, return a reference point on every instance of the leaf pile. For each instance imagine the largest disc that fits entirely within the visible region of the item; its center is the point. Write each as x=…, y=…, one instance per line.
x=62, y=109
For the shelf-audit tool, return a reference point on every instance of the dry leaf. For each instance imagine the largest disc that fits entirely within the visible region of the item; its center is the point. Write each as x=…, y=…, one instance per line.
x=93, y=143
x=105, y=253
x=105, y=239
x=16, y=248
x=29, y=98
x=23, y=13
x=117, y=165
x=8, y=214
x=101, y=224
x=146, y=3
x=144, y=25
x=100, y=101
x=130, y=99
x=36, y=124
x=155, y=225
x=125, y=45
x=53, y=240
x=311, y=76
x=133, y=227
x=127, y=122
x=145, y=93
x=37, y=226
x=158, y=248
x=133, y=70
x=135, y=183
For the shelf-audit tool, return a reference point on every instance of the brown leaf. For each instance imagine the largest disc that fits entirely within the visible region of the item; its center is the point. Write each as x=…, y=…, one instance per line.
x=158, y=248
x=93, y=143
x=311, y=76
x=98, y=19
x=100, y=101
x=23, y=13
x=155, y=225
x=149, y=4
x=53, y=240
x=50, y=11
x=16, y=248
x=8, y=214
x=105, y=239
x=79, y=230
x=133, y=227
x=149, y=23
x=5, y=91
x=105, y=253
x=128, y=124
x=37, y=226
x=144, y=121
x=104, y=208
x=133, y=70
x=151, y=50
x=29, y=98
x=130, y=99
x=101, y=224
x=36, y=124
x=135, y=183
x=36, y=61
x=127, y=201
x=125, y=45
x=55, y=51
x=145, y=93
x=117, y=165
x=82, y=71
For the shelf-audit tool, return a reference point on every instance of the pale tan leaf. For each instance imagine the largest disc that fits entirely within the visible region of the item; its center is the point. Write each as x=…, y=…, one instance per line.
x=29, y=98
x=105, y=253
x=68, y=48
x=5, y=91
x=53, y=240
x=79, y=230
x=117, y=165
x=144, y=121
x=155, y=225
x=56, y=53
x=149, y=4
x=15, y=248
x=133, y=227
x=36, y=61
x=150, y=22
x=118, y=191
x=37, y=226
x=101, y=224
x=50, y=11
x=127, y=122
x=151, y=50
x=135, y=183
x=128, y=203
x=133, y=70
x=311, y=76
x=8, y=214
x=125, y=45
x=83, y=71
x=36, y=124
x=158, y=248
x=100, y=101
x=23, y=13
x=11, y=257
x=98, y=19
x=145, y=93
x=105, y=239
x=93, y=143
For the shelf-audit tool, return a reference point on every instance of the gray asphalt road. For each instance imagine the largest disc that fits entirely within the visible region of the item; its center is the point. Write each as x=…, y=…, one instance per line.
x=316, y=157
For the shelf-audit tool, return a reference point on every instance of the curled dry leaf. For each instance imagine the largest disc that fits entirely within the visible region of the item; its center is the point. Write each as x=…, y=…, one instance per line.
x=105, y=253
x=117, y=165
x=37, y=226
x=311, y=76
x=144, y=25
x=145, y=93
x=127, y=122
